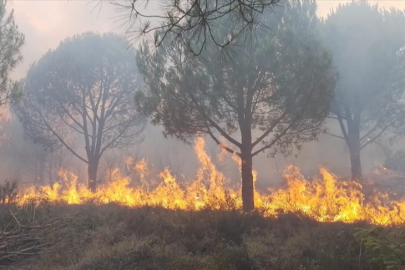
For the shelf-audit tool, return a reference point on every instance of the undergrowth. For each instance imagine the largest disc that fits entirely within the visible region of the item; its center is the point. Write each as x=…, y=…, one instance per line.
x=85, y=237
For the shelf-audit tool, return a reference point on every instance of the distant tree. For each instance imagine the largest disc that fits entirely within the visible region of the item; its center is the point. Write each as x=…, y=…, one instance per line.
x=193, y=24
x=396, y=161
x=83, y=87
x=368, y=46
x=40, y=166
x=10, y=45
x=279, y=86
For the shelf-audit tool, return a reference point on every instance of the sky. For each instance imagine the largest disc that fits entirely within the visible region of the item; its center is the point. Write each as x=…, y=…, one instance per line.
x=46, y=23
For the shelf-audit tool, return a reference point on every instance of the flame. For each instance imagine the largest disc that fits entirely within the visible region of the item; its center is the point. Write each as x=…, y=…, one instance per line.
x=325, y=199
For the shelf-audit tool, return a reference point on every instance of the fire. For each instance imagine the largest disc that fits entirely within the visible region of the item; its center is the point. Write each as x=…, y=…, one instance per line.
x=325, y=199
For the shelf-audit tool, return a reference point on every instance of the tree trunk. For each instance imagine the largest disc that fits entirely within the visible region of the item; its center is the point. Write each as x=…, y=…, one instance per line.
x=354, y=150
x=41, y=178
x=355, y=162
x=247, y=182
x=50, y=170
x=92, y=174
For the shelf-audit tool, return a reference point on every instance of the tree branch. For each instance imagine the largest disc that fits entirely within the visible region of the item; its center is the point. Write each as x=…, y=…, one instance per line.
x=212, y=122
x=59, y=138
x=373, y=139
x=336, y=136
x=221, y=145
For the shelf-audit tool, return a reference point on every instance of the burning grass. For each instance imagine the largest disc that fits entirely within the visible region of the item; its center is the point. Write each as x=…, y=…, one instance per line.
x=309, y=224
x=325, y=199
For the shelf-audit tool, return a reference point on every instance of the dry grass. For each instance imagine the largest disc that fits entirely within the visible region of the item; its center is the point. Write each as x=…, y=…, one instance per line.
x=117, y=237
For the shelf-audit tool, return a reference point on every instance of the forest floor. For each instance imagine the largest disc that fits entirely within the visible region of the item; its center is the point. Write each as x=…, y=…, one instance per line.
x=116, y=237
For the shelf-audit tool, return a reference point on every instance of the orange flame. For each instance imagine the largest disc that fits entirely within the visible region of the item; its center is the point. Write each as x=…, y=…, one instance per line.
x=325, y=199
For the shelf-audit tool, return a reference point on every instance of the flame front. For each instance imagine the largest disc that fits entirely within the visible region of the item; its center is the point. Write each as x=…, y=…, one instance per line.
x=325, y=199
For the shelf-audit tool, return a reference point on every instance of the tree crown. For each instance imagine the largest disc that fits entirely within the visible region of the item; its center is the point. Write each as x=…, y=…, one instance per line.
x=83, y=87
x=279, y=86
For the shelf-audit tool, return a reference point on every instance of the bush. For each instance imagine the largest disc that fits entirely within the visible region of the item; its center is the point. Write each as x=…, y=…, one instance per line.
x=8, y=192
x=385, y=247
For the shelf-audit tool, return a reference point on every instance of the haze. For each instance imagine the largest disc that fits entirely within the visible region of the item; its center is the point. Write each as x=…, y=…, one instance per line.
x=47, y=23
x=239, y=134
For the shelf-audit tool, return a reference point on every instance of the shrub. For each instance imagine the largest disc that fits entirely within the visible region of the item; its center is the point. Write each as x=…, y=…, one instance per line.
x=385, y=248
x=8, y=192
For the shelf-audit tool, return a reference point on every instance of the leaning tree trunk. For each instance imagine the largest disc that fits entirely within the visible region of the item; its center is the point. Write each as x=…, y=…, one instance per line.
x=354, y=150
x=92, y=174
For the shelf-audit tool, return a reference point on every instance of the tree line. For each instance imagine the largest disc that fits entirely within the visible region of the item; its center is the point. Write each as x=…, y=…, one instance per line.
x=255, y=76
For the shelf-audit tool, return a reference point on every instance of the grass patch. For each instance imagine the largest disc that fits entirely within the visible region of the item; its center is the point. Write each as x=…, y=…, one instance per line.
x=118, y=237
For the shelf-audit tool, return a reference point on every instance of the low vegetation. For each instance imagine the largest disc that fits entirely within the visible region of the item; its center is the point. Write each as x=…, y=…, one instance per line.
x=8, y=192
x=117, y=237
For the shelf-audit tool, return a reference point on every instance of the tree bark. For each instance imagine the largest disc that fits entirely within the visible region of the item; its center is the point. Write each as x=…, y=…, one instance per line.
x=41, y=176
x=50, y=176
x=247, y=182
x=355, y=161
x=92, y=174
x=354, y=150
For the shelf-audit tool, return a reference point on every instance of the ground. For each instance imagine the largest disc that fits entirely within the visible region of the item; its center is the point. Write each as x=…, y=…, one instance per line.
x=117, y=237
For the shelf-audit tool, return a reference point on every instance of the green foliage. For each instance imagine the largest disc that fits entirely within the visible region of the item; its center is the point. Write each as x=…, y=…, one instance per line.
x=279, y=85
x=11, y=41
x=384, y=247
x=191, y=23
x=271, y=96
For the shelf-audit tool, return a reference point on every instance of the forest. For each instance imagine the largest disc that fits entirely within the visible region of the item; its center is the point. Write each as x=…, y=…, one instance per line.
x=228, y=134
